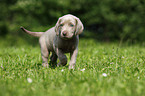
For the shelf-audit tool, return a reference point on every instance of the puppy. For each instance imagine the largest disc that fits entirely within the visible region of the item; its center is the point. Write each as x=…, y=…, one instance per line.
x=61, y=39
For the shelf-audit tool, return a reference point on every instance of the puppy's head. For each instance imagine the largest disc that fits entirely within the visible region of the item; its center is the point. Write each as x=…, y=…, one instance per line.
x=68, y=26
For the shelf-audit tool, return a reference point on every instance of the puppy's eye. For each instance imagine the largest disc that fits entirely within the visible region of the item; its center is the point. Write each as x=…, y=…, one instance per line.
x=61, y=25
x=71, y=25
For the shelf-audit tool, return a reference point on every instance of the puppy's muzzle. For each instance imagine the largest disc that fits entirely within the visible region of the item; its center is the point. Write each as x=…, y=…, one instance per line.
x=64, y=33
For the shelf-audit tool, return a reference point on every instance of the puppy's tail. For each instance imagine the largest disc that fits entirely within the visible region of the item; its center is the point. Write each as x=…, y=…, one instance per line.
x=35, y=34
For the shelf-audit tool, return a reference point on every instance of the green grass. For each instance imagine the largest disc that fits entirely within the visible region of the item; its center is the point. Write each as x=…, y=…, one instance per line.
x=124, y=66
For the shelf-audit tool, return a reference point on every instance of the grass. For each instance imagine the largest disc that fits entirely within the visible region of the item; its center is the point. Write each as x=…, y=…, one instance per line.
x=124, y=67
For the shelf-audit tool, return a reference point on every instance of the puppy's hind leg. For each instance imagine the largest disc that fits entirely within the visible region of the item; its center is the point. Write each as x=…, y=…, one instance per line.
x=62, y=58
x=53, y=58
x=44, y=52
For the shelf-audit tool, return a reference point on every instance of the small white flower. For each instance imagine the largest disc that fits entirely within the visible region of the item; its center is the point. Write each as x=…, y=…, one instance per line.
x=138, y=77
x=104, y=74
x=111, y=63
x=2, y=67
x=122, y=57
x=29, y=80
x=83, y=69
x=62, y=70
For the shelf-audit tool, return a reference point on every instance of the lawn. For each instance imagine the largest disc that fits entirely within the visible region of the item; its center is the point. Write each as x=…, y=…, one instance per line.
x=102, y=69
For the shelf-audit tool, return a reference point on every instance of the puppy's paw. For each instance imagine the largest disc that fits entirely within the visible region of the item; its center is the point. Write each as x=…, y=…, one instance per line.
x=45, y=65
x=71, y=67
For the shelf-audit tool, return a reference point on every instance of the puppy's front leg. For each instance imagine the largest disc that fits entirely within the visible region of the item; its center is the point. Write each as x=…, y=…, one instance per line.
x=62, y=58
x=73, y=56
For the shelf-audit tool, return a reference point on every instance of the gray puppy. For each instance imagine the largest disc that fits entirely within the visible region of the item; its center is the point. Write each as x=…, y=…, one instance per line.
x=61, y=39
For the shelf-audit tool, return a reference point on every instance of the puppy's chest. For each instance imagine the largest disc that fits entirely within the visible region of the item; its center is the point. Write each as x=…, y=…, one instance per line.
x=67, y=47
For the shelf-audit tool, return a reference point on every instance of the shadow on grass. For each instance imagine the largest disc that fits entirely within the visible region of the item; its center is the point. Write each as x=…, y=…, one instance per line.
x=54, y=65
x=51, y=66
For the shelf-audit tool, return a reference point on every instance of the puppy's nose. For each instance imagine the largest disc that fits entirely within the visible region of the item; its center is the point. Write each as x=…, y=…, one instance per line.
x=64, y=33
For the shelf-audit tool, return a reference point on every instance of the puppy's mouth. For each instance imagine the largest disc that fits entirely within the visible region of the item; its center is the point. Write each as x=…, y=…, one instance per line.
x=66, y=37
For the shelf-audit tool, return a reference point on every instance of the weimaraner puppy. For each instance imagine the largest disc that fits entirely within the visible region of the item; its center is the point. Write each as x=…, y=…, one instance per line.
x=60, y=39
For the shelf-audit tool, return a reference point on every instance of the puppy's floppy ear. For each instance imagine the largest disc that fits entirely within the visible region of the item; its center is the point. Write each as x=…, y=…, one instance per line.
x=57, y=26
x=79, y=26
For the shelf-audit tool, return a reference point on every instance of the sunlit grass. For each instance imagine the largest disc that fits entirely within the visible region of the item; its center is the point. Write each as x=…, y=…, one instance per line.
x=101, y=70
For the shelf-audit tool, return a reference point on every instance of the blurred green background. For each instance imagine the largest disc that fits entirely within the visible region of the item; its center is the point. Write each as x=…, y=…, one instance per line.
x=104, y=20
